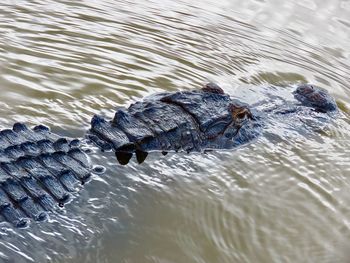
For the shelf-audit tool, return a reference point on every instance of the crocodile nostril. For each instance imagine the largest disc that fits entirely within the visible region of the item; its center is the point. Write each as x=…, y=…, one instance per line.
x=317, y=97
x=305, y=89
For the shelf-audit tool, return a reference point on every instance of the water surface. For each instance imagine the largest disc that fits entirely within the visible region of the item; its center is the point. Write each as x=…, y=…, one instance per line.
x=272, y=201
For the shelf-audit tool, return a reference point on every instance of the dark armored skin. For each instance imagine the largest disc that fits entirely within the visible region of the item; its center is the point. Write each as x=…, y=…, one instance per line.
x=39, y=169
x=197, y=120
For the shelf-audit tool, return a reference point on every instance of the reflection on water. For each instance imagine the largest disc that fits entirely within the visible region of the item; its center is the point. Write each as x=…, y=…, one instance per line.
x=272, y=201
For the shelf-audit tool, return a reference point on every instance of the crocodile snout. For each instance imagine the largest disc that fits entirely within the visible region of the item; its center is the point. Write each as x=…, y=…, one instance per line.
x=315, y=97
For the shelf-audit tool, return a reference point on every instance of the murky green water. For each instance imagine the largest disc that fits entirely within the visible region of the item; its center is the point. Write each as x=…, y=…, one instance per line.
x=288, y=201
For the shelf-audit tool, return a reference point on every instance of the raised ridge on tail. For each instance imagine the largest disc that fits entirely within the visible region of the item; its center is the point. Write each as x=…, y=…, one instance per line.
x=38, y=171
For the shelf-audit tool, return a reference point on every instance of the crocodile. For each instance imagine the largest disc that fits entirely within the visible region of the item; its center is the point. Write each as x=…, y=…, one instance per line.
x=40, y=169
x=200, y=120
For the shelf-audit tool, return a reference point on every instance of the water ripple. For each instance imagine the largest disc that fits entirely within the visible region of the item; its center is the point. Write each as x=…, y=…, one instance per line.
x=282, y=199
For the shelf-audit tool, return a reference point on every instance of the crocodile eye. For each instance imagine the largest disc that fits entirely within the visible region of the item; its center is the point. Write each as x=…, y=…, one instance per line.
x=241, y=115
x=239, y=112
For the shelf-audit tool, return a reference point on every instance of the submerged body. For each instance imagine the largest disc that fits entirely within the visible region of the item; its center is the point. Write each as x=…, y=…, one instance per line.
x=39, y=169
